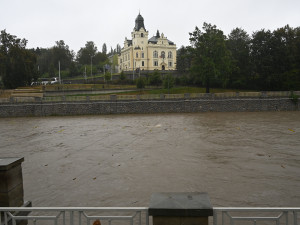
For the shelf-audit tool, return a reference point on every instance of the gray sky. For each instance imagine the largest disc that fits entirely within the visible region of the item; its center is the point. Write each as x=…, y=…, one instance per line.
x=42, y=22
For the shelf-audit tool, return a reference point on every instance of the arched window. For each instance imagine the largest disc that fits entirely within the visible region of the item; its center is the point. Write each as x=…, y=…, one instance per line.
x=163, y=55
x=155, y=54
x=170, y=55
x=137, y=55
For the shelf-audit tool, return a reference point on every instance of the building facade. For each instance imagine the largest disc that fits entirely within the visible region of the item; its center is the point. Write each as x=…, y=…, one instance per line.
x=141, y=53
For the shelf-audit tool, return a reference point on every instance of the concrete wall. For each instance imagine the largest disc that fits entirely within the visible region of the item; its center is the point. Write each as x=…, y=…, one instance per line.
x=115, y=106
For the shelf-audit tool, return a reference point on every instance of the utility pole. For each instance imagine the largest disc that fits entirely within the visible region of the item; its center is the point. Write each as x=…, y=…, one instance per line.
x=92, y=67
x=59, y=72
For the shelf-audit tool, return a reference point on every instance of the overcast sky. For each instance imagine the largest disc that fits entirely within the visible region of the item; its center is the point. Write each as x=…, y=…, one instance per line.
x=42, y=22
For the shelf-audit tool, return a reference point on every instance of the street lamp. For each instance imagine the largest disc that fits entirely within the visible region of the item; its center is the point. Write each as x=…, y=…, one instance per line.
x=91, y=65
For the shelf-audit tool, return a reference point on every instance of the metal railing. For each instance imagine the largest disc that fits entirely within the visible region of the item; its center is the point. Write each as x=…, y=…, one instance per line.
x=191, y=96
x=237, y=215
x=74, y=215
x=140, y=216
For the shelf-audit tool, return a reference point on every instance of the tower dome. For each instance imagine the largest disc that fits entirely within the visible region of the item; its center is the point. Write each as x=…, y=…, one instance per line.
x=139, y=23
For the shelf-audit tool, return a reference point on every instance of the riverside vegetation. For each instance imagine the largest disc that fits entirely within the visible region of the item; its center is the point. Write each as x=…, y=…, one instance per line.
x=266, y=60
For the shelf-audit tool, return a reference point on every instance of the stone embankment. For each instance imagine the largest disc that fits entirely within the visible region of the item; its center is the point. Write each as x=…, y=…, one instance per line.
x=126, y=104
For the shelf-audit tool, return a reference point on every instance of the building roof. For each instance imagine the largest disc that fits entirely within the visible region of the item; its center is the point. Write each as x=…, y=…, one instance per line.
x=154, y=40
x=139, y=23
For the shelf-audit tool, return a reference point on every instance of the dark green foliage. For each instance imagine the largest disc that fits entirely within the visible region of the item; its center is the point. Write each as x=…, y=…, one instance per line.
x=140, y=83
x=265, y=61
x=210, y=57
x=294, y=98
x=107, y=77
x=155, y=78
x=122, y=76
x=85, y=55
x=168, y=82
x=184, y=59
x=17, y=65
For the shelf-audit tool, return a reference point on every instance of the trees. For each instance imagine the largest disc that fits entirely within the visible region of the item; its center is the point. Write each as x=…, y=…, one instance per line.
x=238, y=44
x=61, y=52
x=104, y=49
x=183, y=61
x=17, y=65
x=210, y=57
x=84, y=54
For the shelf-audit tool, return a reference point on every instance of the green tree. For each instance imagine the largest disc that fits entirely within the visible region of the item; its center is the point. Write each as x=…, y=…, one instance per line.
x=17, y=65
x=85, y=55
x=62, y=53
x=238, y=44
x=210, y=57
x=104, y=49
x=184, y=59
x=168, y=82
x=155, y=78
x=262, y=60
x=140, y=83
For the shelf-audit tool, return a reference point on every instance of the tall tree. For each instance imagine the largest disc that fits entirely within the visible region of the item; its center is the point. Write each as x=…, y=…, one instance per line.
x=183, y=61
x=85, y=54
x=238, y=44
x=104, y=49
x=210, y=59
x=262, y=59
x=17, y=63
x=61, y=52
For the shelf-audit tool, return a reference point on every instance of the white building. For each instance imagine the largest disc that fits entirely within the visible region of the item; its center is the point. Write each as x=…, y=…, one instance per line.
x=156, y=53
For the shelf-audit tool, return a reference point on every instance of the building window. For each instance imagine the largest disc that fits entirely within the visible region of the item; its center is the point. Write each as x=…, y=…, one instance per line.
x=121, y=60
x=142, y=63
x=170, y=55
x=163, y=55
x=142, y=35
x=125, y=57
x=137, y=55
x=155, y=63
x=143, y=55
x=170, y=64
x=155, y=54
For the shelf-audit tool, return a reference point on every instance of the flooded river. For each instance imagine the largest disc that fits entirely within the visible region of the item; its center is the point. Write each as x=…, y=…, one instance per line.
x=240, y=159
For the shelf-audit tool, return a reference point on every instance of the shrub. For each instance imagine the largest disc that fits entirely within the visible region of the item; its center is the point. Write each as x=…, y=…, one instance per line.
x=168, y=82
x=155, y=79
x=140, y=83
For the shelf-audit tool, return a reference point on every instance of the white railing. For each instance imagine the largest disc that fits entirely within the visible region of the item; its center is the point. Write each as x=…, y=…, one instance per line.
x=140, y=216
x=237, y=215
x=74, y=216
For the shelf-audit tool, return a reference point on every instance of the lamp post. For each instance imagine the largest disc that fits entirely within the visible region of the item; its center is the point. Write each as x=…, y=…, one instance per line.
x=91, y=66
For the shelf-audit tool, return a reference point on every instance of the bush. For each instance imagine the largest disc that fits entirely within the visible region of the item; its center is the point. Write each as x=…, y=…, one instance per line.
x=155, y=79
x=107, y=76
x=122, y=76
x=168, y=82
x=140, y=83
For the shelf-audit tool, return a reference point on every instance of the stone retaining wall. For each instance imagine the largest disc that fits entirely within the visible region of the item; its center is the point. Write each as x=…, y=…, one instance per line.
x=147, y=106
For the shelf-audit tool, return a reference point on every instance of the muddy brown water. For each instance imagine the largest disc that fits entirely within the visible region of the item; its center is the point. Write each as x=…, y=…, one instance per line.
x=240, y=159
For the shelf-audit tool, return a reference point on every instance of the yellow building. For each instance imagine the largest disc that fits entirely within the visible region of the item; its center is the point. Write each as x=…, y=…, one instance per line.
x=141, y=53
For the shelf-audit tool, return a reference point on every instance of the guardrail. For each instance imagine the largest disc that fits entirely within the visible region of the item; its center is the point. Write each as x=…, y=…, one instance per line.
x=225, y=95
x=140, y=216
x=74, y=215
x=244, y=215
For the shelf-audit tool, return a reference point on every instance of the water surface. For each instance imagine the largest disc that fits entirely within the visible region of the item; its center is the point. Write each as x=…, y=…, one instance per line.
x=240, y=159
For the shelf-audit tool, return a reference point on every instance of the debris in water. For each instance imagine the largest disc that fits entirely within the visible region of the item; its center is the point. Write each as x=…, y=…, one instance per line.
x=46, y=165
x=74, y=178
x=282, y=166
x=94, y=178
x=291, y=130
